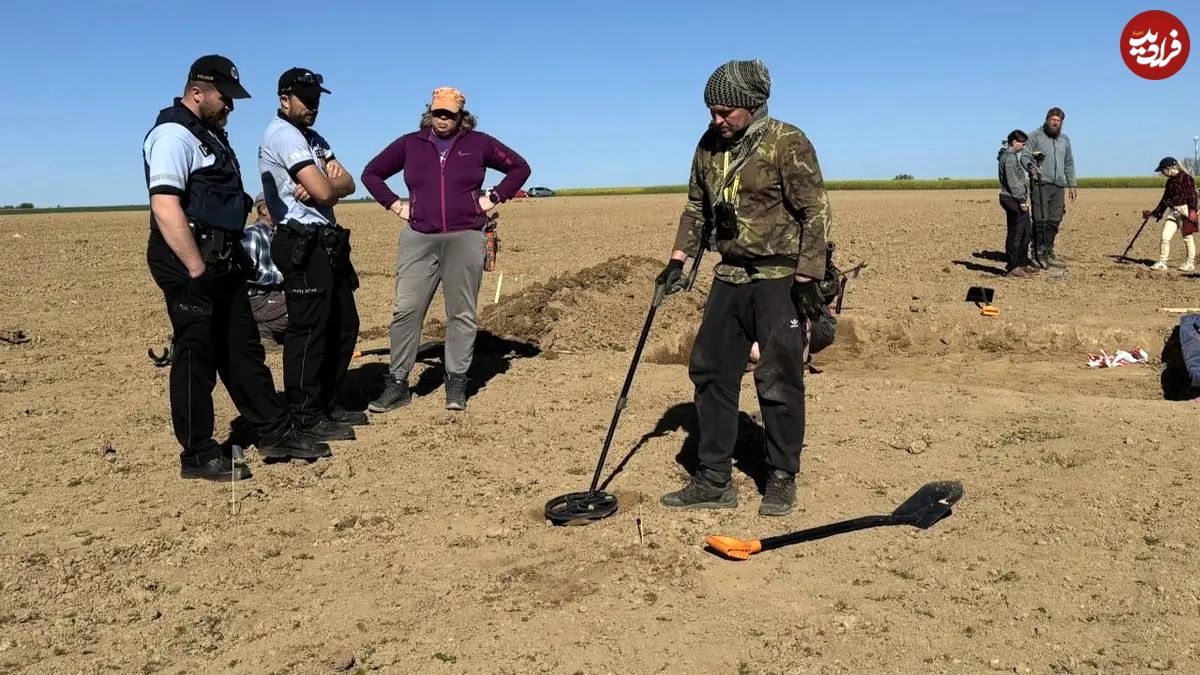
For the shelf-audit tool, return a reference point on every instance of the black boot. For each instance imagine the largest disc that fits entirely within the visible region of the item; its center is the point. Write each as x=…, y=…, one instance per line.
x=456, y=392
x=326, y=429
x=1038, y=247
x=354, y=418
x=291, y=444
x=215, y=464
x=779, y=499
x=1052, y=234
x=396, y=394
x=704, y=490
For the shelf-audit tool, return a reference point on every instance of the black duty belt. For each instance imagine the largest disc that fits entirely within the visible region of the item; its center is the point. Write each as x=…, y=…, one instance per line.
x=256, y=291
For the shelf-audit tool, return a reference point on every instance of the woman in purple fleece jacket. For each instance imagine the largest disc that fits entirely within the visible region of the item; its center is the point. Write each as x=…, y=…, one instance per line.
x=444, y=163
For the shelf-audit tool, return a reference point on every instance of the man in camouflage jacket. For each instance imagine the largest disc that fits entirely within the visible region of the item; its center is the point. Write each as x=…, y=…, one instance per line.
x=756, y=180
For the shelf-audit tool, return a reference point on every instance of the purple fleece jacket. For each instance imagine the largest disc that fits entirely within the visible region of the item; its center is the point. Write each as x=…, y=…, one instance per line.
x=444, y=198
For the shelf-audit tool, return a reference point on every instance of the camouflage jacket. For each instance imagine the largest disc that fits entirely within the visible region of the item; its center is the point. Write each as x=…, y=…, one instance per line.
x=783, y=214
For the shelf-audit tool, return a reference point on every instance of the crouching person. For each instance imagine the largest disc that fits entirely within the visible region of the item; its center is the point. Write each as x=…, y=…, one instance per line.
x=264, y=280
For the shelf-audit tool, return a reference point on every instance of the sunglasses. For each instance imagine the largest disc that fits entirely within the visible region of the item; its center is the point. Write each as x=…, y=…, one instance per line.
x=309, y=78
x=443, y=114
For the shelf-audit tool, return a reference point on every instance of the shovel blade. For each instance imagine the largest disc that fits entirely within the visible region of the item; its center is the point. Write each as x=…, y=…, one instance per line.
x=981, y=294
x=930, y=504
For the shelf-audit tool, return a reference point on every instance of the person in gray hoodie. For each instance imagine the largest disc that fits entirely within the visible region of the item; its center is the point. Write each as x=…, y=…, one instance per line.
x=1014, y=199
x=1051, y=148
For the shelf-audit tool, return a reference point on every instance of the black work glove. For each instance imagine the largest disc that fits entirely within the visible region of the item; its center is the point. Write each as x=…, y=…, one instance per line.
x=806, y=296
x=671, y=276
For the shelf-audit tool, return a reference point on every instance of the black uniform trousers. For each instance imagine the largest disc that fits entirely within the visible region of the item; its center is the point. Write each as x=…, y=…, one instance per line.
x=215, y=335
x=1020, y=229
x=322, y=323
x=735, y=316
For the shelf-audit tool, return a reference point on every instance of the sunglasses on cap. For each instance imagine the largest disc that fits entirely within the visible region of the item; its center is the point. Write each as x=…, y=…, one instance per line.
x=443, y=114
x=292, y=81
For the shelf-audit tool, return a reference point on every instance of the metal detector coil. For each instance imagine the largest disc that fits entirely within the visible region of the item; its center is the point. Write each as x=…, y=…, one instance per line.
x=579, y=508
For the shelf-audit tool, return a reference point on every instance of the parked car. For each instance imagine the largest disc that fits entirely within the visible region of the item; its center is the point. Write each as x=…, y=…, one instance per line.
x=521, y=194
x=540, y=192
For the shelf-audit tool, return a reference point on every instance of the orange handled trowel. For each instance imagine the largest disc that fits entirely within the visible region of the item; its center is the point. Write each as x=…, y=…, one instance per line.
x=926, y=507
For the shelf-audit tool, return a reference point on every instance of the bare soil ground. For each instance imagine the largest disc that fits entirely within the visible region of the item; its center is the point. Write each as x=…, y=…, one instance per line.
x=421, y=547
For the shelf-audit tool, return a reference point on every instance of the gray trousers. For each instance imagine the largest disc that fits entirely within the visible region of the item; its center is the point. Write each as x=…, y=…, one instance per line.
x=270, y=313
x=454, y=259
x=1049, y=204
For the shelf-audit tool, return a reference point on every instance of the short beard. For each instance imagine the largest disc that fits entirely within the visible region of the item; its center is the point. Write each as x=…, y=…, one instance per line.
x=298, y=119
x=215, y=119
x=1052, y=133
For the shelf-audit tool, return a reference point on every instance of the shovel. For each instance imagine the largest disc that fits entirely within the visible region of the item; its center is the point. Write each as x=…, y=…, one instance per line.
x=923, y=509
x=982, y=297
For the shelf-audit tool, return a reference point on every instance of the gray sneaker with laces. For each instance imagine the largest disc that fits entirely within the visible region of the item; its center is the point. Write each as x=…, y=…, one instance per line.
x=703, y=491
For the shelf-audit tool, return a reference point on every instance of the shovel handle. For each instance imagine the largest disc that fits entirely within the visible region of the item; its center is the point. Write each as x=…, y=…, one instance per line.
x=827, y=531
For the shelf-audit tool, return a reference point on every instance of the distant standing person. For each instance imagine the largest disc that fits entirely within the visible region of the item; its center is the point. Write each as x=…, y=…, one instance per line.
x=302, y=180
x=1054, y=180
x=197, y=211
x=1178, y=207
x=1014, y=199
x=444, y=163
x=265, y=282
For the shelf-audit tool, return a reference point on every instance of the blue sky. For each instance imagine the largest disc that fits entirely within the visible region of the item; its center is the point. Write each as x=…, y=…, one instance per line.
x=592, y=94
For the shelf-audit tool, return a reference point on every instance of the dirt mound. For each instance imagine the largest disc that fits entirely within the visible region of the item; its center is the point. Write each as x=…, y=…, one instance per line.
x=859, y=336
x=602, y=307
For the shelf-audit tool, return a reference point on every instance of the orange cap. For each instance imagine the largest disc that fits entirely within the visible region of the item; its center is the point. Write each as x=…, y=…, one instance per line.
x=448, y=98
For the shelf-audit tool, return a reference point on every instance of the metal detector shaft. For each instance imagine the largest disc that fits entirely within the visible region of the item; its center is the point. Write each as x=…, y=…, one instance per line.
x=829, y=530
x=660, y=292
x=1135, y=238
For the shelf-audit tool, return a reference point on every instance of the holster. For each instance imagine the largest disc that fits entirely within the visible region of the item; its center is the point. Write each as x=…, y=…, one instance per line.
x=217, y=247
x=334, y=239
x=304, y=239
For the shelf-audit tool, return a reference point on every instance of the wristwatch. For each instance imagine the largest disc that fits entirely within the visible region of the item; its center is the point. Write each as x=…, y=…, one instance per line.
x=493, y=197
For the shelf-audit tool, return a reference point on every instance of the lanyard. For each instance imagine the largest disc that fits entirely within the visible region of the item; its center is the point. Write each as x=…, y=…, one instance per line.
x=729, y=192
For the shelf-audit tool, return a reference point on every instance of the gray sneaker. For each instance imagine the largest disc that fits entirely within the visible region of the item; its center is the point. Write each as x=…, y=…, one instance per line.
x=456, y=392
x=702, y=492
x=396, y=394
x=779, y=499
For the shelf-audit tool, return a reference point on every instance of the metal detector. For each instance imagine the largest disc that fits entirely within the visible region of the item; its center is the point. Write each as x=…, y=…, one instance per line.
x=926, y=507
x=1122, y=257
x=579, y=508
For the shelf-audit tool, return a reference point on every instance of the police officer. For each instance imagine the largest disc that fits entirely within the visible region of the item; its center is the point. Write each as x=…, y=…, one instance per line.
x=302, y=180
x=756, y=179
x=198, y=210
